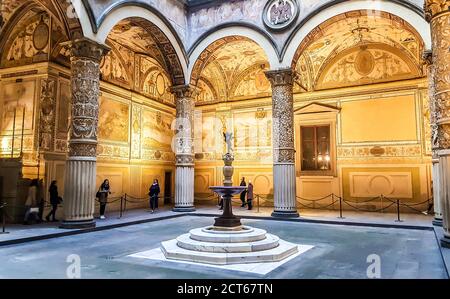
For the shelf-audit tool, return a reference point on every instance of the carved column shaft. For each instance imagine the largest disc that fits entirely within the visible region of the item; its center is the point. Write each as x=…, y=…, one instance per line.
x=183, y=145
x=284, y=180
x=437, y=200
x=80, y=173
x=438, y=13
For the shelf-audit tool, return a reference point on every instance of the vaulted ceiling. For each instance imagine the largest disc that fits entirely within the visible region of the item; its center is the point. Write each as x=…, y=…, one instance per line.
x=11, y=10
x=231, y=68
x=385, y=41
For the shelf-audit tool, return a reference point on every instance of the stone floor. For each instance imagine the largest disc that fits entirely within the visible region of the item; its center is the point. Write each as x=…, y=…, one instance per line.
x=25, y=232
x=340, y=251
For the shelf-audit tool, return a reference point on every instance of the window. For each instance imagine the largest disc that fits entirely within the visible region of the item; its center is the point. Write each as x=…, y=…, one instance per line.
x=315, y=148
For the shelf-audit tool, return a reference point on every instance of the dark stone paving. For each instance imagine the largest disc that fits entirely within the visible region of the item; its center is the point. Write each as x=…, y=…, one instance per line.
x=340, y=252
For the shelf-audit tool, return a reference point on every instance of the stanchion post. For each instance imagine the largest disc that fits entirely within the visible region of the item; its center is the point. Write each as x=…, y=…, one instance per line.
x=121, y=206
x=125, y=204
x=398, y=211
x=340, y=208
x=381, y=203
x=257, y=202
x=3, y=220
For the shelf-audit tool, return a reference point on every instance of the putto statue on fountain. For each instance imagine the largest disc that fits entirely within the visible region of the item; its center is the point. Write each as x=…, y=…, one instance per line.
x=228, y=159
x=228, y=136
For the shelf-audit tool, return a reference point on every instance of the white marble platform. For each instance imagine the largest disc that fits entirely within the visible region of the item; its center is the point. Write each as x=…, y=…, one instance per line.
x=156, y=254
x=222, y=246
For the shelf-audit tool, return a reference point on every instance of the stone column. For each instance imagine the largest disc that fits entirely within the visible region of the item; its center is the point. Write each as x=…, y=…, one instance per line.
x=437, y=200
x=80, y=174
x=437, y=12
x=183, y=145
x=284, y=180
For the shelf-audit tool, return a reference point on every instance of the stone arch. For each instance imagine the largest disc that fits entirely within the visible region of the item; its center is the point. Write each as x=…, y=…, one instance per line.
x=169, y=42
x=408, y=14
x=198, y=54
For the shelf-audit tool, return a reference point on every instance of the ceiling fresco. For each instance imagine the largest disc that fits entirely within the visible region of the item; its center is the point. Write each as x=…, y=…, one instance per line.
x=136, y=62
x=229, y=69
x=57, y=9
x=141, y=36
x=358, y=29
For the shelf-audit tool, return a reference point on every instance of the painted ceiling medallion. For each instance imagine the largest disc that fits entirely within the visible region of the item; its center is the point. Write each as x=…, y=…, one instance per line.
x=160, y=84
x=364, y=62
x=40, y=35
x=280, y=14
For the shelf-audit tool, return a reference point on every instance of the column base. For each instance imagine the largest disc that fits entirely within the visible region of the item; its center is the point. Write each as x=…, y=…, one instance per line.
x=445, y=242
x=437, y=222
x=78, y=224
x=288, y=214
x=184, y=209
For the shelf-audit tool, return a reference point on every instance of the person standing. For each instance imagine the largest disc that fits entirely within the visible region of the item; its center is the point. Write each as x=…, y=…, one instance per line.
x=54, y=201
x=250, y=195
x=153, y=193
x=103, y=193
x=31, y=204
x=243, y=192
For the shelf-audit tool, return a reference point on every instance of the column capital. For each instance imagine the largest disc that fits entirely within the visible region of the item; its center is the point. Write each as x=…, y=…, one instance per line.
x=434, y=8
x=87, y=48
x=184, y=91
x=281, y=77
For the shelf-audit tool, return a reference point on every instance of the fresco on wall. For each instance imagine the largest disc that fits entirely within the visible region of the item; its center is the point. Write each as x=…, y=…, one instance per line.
x=156, y=130
x=209, y=124
x=383, y=47
x=252, y=129
x=28, y=42
x=17, y=96
x=64, y=108
x=113, y=120
x=117, y=66
x=366, y=66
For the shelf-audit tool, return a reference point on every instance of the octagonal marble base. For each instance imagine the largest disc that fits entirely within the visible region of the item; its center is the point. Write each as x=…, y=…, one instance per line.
x=220, y=246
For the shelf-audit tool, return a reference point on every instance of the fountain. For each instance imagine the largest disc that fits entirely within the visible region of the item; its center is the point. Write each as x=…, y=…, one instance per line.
x=228, y=241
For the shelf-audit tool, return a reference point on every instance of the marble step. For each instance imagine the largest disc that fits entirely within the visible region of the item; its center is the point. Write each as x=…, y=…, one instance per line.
x=186, y=242
x=209, y=235
x=172, y=251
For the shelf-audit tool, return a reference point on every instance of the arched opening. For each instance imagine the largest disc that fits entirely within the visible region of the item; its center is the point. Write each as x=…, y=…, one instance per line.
x=33, y=73
x=231, y=68
x=228, y=71
x=361, y=99
x=358, y=48
x=137, y=109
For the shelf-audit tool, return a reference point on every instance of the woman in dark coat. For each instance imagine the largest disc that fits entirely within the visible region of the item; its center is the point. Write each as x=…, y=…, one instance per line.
x=103, y=192
x=243, y=192
x=250, y=195
x=153, y=193
x=54, y=201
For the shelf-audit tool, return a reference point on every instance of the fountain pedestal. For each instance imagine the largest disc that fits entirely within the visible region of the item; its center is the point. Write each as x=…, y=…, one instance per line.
x=227, y=220
x=228, y=241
